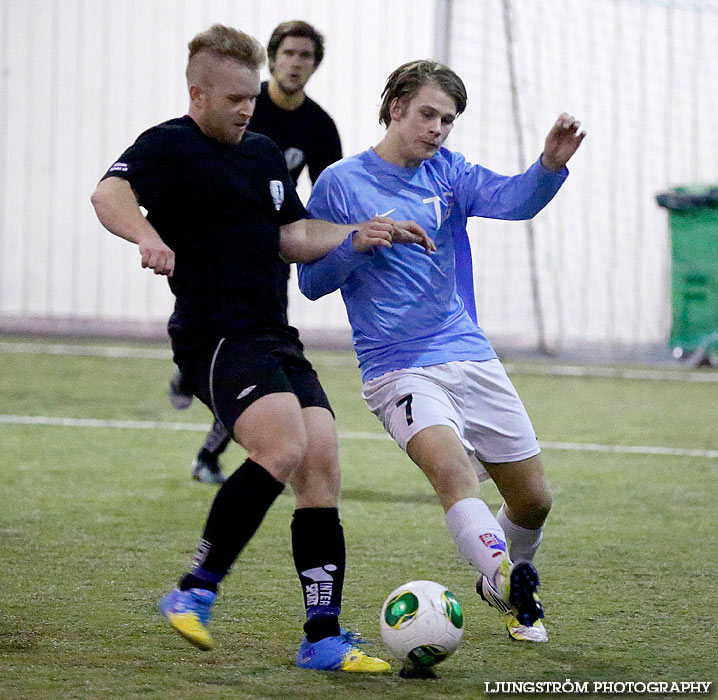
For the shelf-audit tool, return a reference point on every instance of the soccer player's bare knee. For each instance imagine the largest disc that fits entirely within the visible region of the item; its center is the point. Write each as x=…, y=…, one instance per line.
x=524, y=488
x=317, y=481
x=321, y=470
x=529, y=511
x=317, y=484
x=273, y=433
x=280, y=458
x=528, y=505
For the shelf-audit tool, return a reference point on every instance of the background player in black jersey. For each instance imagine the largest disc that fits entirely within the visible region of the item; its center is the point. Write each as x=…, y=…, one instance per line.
x=308, y=137
x=221, y=207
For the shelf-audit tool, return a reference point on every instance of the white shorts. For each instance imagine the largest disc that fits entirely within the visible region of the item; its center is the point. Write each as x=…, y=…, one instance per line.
x=476, y=399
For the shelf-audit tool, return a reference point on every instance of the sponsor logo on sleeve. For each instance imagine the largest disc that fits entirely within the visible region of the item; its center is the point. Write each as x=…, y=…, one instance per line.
x=276, y=189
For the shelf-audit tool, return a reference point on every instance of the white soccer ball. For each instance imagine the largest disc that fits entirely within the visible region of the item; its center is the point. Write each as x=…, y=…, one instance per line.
x=421, y=623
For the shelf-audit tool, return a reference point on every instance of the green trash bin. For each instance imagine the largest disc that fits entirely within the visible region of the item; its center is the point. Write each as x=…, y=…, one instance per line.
x=693, y=212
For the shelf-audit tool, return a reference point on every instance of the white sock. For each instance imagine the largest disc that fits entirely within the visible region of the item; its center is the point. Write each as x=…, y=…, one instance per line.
x=477, y=535
x=523, y=542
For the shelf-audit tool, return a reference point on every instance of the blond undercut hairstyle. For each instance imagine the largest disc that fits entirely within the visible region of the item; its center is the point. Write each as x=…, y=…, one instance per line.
x=406, y=81
x=227, y=42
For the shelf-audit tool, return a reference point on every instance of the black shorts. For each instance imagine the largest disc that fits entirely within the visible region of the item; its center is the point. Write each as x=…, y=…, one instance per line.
x=236, y=372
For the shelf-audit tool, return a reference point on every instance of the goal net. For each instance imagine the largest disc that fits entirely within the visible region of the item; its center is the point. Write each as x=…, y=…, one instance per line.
x=642, y=76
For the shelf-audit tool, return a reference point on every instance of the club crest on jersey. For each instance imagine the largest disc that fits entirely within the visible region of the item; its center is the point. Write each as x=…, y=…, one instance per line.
x=276, y=189
x=490, y=540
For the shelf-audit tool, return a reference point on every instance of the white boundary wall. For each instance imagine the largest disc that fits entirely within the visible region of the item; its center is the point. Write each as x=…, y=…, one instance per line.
x=642, y=75
x=81, y=79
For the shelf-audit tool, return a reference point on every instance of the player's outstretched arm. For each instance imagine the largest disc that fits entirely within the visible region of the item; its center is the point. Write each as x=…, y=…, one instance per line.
x=562, y=142
x=329, y=273
x=117, y=209
x=308, y=240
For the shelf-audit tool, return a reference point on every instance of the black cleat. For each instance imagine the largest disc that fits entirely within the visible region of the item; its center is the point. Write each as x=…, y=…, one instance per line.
x=207, y=472
x=522, y=593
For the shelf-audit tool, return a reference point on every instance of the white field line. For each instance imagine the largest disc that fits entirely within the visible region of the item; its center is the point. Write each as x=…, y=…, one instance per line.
x=204, y=427
x=661, y=375
x=347, y=360
x=86, y=350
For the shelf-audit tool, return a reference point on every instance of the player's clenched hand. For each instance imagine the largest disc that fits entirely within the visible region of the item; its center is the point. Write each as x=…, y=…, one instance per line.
x=383, y=231
x=157, y=255
x=411, y=232
x=370, y=234
x=562, y=142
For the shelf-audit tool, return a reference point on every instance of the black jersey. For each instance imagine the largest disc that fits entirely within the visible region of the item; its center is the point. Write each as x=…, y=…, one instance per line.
x=306, y=135
x=219, y=207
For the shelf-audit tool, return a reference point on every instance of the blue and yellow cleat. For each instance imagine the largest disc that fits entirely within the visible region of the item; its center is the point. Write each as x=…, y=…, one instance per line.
x=338, y=654
x=189, y=613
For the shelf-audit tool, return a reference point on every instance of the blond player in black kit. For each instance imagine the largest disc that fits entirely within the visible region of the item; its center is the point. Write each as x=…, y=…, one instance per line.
x=221, y=207
x=308, y=138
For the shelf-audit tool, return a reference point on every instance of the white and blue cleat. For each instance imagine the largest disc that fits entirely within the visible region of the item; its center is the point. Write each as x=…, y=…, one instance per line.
x=514, y=595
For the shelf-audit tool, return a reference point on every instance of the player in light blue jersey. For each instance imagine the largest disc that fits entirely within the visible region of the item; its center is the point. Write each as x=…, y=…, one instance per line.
x=429, y=373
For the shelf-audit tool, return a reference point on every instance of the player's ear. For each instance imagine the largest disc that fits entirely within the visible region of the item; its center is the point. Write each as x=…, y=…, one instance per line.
x=396, y=109
x=196, y=95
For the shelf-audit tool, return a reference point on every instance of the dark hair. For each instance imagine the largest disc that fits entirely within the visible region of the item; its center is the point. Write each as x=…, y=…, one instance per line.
x=229, y=43
x=408, y=79
x=299, y=28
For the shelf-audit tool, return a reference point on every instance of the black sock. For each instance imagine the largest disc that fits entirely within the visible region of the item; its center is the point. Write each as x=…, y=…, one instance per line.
x=321, y=626
x=191, y=581
x=320, y=560
x=215, y=443
x=236, y=513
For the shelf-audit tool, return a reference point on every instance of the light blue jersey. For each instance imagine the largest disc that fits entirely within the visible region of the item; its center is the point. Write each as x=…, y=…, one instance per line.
x=407, y=308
